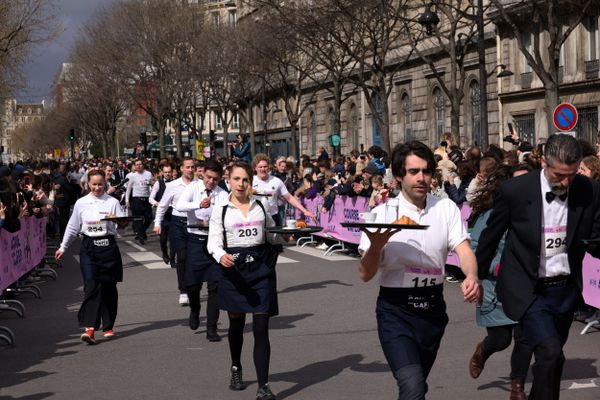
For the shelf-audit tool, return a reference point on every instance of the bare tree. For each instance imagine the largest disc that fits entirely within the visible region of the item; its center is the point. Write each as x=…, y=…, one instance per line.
x=23, y=25
x=548, y=23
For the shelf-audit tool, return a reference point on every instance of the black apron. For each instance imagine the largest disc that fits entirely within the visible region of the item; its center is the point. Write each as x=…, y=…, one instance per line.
x=250, y=286
x=100, y=259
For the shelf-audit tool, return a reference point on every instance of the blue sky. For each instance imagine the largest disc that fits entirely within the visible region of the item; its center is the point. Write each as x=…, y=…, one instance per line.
x=45, y=61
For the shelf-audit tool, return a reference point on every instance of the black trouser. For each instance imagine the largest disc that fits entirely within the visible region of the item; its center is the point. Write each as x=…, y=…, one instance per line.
x=140, y=207
x=63, y=219
x=100, y=304
x=164, y=240
x=499, y=337
x=178, y=235
x=212, y=304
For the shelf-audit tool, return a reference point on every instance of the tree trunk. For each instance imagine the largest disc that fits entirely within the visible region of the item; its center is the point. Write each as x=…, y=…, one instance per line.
x=104, y=146
x=294, y=136
x=386, y=140
x=178, y=141
x=550, y=102
x=455, y=118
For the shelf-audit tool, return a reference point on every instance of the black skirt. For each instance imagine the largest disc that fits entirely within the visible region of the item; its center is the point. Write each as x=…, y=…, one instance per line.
x=100, y=259
x=200, y=266
x=250, y=286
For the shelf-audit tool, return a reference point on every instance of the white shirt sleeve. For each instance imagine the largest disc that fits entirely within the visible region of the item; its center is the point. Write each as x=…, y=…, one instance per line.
x=163, y=206
x=186, y=200
x=215, y=233
x=153, y=194
x=73, y=228
x=131, y=178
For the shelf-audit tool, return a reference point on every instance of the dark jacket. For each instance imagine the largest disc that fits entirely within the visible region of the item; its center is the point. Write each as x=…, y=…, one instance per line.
x=518, y=210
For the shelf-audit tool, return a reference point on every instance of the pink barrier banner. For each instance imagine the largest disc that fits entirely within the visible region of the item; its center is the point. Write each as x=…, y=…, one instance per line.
x=344, y=209
x=22, y=250
x=591, y=280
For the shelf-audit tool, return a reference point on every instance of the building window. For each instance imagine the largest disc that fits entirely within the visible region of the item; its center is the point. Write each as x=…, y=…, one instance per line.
x=312, y=134
x=235, y=121
x=525, y=125
x=331, y=121
x=216, y=18
x=218, y=121
x=527, y=45
x=592, y=28
x=474, y=93
x=587, y=124
x=407, y=114
x=232, y=17
x=354, y=125
x=438, y=113
x=29, y=111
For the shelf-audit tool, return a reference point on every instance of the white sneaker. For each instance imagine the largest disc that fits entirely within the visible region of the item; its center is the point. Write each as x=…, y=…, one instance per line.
x=323, y=246
x=183, y=299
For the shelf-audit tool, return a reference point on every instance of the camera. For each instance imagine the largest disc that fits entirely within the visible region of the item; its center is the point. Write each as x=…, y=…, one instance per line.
x=510, y=140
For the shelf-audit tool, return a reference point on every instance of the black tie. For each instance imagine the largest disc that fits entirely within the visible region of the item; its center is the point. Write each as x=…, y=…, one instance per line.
x=551, y=196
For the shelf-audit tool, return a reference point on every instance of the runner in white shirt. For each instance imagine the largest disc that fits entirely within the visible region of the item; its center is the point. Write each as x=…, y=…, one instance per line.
x=238, y=240
x=158, y=191
x=138, y=187
x=411, y=312
x=178, y=222
x=198, y=200
x=100, y=259
x=264, y=183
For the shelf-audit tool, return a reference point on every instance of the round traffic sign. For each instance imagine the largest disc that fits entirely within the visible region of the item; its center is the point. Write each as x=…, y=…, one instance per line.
x=565, y=117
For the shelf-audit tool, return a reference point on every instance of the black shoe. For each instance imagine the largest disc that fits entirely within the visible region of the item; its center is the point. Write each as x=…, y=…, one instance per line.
x=194, y=321
x=212, y=335
x=264, y=393
x=166, y=259
x=236, y=382
x=139, y=240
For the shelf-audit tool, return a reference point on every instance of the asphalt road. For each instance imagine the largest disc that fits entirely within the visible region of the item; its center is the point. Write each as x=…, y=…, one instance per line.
x=324, y=343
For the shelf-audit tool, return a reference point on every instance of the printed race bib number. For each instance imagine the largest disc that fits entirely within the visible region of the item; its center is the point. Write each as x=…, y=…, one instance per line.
x=247, y=232
x=416, y=277
x=94, y=229
x=555, y=240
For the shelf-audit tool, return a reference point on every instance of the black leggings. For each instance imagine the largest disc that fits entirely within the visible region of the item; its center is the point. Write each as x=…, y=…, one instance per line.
x=262, y=346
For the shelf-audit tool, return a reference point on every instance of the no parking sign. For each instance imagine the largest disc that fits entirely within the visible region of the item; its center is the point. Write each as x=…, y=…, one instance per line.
x=565, y=117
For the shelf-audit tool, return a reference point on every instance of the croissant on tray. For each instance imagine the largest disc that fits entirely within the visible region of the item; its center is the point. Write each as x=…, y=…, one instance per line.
x=404, y=220
x=301, y=224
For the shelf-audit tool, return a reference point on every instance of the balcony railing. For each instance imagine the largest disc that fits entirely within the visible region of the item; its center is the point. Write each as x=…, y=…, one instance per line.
x=591, y=69
x=526, y=80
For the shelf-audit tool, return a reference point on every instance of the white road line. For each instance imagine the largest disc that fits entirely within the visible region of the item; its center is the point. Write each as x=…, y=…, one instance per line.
x=573, y=385
x=76, y=257
x=311, y=251
x=135, y=246
x=285, y=260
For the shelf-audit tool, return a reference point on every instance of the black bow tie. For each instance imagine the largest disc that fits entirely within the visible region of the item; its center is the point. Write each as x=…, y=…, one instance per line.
x=551, y=196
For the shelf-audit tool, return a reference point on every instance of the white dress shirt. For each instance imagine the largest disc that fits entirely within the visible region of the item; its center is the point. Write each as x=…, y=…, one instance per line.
x=153, y=193
x=554, y=259
x=169, y=199
x=240, y=230
x=190, y=200
x=274, y=187
x=139, y=184
x=416, y=258
x=86, y=216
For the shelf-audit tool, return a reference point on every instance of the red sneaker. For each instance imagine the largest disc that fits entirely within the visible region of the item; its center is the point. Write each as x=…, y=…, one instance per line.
x=108, y=334
x=88, y=336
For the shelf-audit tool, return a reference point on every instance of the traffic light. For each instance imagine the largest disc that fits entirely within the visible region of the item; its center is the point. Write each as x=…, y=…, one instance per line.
x=72, y=135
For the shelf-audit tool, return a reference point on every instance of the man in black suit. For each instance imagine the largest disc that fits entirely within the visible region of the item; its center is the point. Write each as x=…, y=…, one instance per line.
x=120, y=172
x=546, y=214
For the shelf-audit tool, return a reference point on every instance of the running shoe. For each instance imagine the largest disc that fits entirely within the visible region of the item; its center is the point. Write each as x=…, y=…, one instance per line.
x=184, y=300
x=323, y=246
x=108, y=334
x=194, y=321
x=264, y=393
x=236, y=382
x=88, y=336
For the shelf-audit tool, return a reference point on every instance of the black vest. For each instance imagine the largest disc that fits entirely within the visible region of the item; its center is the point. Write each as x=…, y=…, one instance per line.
x=161, y=189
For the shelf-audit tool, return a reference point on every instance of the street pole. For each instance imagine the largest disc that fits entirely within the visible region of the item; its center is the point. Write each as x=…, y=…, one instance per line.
x=482, y=78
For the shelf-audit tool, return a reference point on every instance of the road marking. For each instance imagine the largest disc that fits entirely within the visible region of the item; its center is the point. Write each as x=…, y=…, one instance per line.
x=135, y=246
x=576, y=385
x=285, y=260
x=148, y=259
x=311, y=251
x=76, y=257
